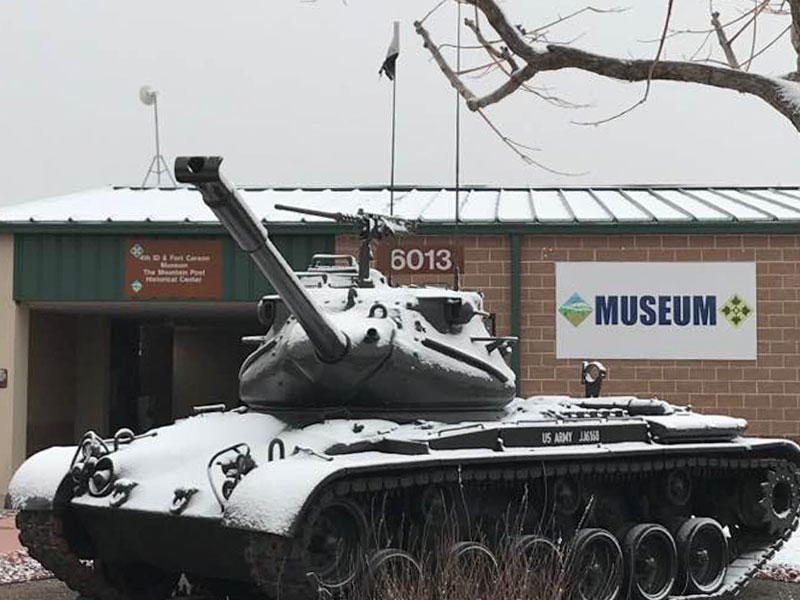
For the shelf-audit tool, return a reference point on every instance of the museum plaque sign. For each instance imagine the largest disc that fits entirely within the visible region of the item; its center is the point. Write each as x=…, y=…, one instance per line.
x=173, y=269
x=411, y=257
x=656, y=310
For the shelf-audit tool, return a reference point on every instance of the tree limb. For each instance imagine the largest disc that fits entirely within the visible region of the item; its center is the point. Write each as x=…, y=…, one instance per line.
x=553, y=57
x=451, y=76
x=515, y=80
x=503, y=54
x=794, y=7
x=768, y=89
x=722, y=37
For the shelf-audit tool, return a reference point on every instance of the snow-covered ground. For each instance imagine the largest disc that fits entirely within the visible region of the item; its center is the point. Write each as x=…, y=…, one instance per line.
x=17, y=567
x=786, y=564
x=790, y=554
x=15, y=564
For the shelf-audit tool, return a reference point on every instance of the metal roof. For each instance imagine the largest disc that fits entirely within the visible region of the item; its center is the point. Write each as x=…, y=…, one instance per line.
x=520, y=206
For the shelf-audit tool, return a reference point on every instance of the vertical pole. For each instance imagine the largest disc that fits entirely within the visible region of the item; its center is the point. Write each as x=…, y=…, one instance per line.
x=394, y=113
x=158, y=145
x=516, y=303
x=458, y=113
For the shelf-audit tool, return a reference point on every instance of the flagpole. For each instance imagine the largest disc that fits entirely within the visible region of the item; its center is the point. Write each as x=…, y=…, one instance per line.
x=394, y=115
x=458, y=113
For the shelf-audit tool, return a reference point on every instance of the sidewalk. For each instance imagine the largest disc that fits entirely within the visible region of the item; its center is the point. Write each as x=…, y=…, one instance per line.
x=8, y=536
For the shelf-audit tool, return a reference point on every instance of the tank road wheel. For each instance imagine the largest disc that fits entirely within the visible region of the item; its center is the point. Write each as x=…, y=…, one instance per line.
x=771, y=502
x=42, y=534
x=703, y=552
x=336, y=544
x=596, y=565
x=392, y=573
x=652, y=561
x=543, y=563
x=473, y=555
x=469, y=565
x=539, y=552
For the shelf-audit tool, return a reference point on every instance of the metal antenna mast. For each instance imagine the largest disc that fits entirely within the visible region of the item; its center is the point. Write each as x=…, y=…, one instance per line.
x=149, y=97
x=458, y=113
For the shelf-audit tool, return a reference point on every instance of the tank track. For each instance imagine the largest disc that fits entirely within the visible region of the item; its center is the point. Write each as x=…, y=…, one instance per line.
x=41, y=533
x=276, y=563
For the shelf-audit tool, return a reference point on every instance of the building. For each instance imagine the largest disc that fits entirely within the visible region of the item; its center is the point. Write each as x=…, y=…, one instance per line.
x=125, y=307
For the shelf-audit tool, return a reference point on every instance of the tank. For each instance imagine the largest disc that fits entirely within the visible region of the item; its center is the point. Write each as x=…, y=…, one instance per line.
x=368, y=412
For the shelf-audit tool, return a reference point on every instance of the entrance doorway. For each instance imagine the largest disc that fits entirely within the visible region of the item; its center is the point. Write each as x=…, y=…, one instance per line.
x=137, y=367
x=140, y=375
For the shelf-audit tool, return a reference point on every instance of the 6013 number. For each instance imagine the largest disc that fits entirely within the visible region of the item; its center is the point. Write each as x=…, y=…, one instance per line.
x=412, y=259
x=417, y=260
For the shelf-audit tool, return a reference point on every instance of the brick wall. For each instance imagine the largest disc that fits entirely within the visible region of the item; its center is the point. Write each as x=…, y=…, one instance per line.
x=765, y=391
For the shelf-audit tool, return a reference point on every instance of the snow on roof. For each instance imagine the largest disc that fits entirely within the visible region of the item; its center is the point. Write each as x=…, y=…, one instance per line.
x=480, y=205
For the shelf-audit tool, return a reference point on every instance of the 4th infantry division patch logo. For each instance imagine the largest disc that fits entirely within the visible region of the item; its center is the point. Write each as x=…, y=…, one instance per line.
x=575, y=309
x=736, y=310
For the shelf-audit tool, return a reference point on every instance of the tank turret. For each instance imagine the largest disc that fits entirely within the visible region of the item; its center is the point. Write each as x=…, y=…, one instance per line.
x=342, y=337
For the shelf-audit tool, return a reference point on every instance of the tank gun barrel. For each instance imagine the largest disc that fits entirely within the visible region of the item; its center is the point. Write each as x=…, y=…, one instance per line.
x=373, y=225
x=221, y=197
x=334, y=216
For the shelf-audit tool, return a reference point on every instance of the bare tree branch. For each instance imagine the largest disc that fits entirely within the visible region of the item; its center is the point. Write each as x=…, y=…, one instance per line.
x=449, y=73
x=768, y=89
x=537, y=32
x=500, y=57
x=474, y=103
x=503, y=54
x=767, y=47
x=722, y=37
x=779, y=93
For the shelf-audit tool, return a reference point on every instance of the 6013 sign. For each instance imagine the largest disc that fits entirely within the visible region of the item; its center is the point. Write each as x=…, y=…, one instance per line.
x=420, y=259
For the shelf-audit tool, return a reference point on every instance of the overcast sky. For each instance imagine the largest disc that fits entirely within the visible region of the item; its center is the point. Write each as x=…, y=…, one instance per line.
x=289, y=93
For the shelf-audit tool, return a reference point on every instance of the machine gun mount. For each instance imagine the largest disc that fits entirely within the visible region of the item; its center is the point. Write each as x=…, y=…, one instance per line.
x=371, y=226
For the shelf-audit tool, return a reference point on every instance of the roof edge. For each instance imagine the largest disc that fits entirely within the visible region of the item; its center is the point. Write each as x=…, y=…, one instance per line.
x=451, y=228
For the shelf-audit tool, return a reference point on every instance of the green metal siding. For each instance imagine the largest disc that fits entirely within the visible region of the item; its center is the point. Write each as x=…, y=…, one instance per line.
x=243, y=282
x=70, y=267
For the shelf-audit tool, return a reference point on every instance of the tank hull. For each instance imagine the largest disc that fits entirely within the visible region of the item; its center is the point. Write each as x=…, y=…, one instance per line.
x=615, y=457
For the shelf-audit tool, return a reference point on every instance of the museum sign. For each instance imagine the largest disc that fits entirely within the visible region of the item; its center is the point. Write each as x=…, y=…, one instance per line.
x=656, y=310
x=173, y=269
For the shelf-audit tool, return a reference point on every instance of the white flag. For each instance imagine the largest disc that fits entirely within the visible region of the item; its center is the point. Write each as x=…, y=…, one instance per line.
x=389, y=64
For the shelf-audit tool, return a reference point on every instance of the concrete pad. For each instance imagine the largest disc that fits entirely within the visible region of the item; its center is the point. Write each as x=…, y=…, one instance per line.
x=9, y=537
x=51, y=589
x=764, y=589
